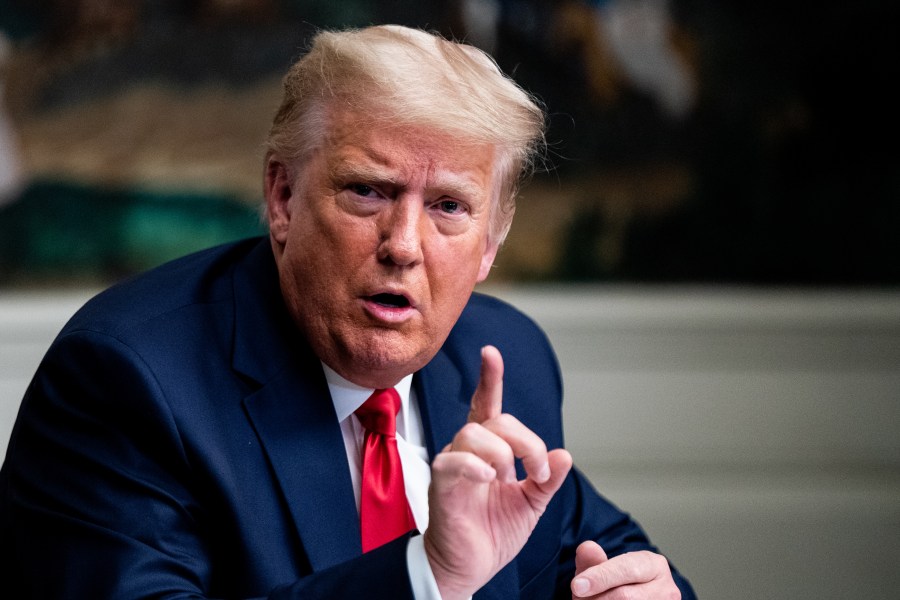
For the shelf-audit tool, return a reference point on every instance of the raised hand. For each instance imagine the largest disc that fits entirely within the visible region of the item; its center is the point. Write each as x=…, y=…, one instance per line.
x=480, y=514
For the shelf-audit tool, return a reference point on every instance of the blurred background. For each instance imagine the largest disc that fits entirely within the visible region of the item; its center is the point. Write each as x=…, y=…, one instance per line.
x=712, y=248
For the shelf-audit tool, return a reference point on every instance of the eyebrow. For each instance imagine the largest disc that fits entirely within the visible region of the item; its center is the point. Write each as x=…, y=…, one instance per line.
x=364, y=173
x=460, y=187
x=451, y=183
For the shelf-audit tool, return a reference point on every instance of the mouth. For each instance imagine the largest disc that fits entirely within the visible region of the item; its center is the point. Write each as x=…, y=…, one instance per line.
x=390, y=308
x=390, y=300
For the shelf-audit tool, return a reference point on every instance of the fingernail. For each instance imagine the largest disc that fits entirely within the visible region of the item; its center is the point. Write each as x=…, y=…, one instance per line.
x=581, y=586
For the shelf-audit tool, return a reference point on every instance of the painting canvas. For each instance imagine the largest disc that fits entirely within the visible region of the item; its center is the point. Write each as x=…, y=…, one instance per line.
x=688, y=141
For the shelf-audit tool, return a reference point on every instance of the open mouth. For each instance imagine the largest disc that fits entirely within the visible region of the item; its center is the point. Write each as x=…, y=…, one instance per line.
x=390, y=300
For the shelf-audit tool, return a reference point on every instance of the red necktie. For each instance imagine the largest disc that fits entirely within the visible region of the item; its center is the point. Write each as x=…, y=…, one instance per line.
x=384, y=512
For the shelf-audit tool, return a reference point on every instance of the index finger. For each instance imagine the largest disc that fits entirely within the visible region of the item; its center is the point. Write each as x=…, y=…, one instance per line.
x=487, y=401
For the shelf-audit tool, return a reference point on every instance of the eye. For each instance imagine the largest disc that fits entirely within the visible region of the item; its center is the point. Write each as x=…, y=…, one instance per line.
x=361, y=189
x=451, y=207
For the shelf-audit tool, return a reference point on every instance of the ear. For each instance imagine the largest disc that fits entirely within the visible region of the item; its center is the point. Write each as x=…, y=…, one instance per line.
x=278, y=193
x=487, y=260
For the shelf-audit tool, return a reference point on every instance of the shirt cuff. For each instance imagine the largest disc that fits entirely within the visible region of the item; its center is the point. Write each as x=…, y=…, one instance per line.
x=420, y=576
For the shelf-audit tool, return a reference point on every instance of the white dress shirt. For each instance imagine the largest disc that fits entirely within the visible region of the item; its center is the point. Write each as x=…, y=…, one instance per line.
x=347, y=397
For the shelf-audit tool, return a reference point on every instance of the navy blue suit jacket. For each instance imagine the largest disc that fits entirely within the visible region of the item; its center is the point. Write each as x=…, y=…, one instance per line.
x=178, y=441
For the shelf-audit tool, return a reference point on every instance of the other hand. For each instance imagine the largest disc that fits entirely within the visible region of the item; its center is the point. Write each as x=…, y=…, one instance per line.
x=633, y=575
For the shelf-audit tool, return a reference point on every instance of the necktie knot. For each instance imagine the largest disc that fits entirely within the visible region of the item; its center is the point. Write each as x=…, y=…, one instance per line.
x=378, y=414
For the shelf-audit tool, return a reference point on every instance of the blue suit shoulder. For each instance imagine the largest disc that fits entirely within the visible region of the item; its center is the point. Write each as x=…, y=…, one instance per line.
x=489, y=320
x=197, y=278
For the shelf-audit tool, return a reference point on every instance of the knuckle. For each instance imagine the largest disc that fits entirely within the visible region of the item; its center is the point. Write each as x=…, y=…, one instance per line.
x=439, y=463
x=652, y=564
x=441, y=472
x=632, y=568
x=506, y=420
x=467, y=432
x=506, y=453
x=638, y=566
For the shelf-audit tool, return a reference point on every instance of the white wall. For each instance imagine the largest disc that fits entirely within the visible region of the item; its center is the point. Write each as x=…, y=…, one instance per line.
x=753, y=432
x=28, y=323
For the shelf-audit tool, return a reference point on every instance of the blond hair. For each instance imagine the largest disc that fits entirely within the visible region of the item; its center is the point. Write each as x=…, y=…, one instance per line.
x=399, y=76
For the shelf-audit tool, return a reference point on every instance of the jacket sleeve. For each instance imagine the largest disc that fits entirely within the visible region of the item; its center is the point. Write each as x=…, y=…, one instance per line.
x=98, y=498
x=593, y=517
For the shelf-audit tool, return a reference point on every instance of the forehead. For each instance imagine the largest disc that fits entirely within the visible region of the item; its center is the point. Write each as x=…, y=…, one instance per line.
x=356, y=146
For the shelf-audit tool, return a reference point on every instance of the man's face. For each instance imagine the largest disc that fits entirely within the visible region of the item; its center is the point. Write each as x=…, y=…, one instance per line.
x=380, y=237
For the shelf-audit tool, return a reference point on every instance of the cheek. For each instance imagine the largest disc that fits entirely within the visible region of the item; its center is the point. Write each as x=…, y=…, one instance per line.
x=453, y=279
x=331, y=239
x=309, y=256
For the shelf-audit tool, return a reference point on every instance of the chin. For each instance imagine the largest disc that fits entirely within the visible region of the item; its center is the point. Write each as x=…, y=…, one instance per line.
x=385, y=359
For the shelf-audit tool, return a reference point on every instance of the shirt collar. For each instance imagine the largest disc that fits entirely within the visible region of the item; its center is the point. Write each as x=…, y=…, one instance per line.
x=347, y=396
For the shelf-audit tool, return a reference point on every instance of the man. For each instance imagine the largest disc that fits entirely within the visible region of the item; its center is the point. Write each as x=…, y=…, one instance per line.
x=202, y=430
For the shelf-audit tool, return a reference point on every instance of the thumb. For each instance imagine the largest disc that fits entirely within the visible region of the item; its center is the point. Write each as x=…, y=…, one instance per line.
x=588, y=554
x=487, y=401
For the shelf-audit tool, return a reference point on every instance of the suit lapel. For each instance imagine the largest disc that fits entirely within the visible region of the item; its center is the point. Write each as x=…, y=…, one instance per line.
x=444, y=398
x=298, y=428
x=292, y=413
x=439, y=387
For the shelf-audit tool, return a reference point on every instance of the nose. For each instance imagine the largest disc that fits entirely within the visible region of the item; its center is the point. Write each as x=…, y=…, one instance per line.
x=401, y=241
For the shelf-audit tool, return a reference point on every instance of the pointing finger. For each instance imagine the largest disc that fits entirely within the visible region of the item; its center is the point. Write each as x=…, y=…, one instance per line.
x=487, y=402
